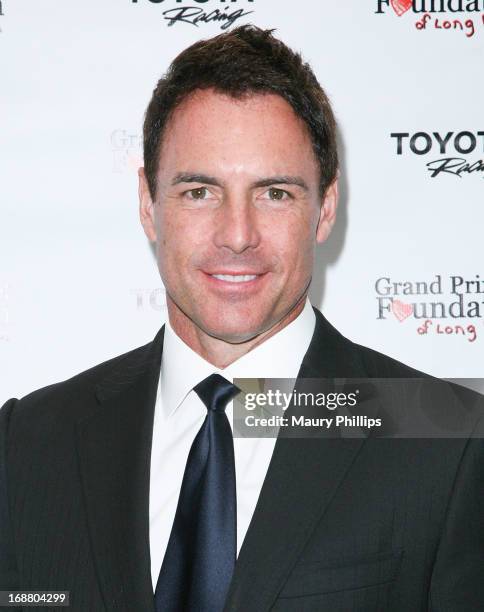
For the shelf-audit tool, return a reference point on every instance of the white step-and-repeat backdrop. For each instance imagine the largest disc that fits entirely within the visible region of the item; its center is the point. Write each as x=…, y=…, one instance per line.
x=403, y=271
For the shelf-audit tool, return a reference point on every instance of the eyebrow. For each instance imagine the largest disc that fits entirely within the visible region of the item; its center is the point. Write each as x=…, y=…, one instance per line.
x=282, y=180
x=265, y=182
x=195, y=178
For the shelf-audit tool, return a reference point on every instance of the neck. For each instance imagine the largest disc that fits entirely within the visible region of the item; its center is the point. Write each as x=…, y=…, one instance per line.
x=217, y=351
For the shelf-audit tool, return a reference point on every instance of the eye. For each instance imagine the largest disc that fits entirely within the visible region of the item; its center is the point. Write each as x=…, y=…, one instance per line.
x=276, y=194
x=199, y=193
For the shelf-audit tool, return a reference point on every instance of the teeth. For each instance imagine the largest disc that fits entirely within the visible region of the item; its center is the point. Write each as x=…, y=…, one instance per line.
x=239, y=278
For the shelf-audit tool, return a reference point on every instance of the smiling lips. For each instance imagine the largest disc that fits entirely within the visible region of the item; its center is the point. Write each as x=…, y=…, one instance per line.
x=230, y=279
x=235, y=278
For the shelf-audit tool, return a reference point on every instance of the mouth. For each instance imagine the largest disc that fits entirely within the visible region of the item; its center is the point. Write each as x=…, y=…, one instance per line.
x=235, y=278
x=245, y=280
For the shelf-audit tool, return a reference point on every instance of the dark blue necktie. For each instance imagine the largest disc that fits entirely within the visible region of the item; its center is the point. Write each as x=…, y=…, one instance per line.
x=200, y=556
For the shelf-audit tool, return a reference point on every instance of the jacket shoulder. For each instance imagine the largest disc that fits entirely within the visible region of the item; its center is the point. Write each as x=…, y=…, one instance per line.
x=68, y=397
x=459, y=396
x=379, y=365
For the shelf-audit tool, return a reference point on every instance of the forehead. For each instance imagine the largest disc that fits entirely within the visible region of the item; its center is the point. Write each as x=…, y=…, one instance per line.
x=255, y=133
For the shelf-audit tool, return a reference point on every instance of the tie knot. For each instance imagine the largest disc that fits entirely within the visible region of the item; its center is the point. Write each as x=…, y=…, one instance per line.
x=215, y=391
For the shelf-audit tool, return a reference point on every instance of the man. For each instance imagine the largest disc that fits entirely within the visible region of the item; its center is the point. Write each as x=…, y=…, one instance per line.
x=123, y=485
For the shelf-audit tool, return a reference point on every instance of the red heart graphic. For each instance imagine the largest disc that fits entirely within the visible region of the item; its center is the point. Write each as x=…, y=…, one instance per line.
x=401, y=6
x=401, y=310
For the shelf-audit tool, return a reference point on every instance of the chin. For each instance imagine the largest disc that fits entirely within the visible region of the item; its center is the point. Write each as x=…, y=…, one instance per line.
x=234, y=337
x=234, y=332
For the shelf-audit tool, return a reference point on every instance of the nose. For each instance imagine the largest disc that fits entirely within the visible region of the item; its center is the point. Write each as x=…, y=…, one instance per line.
x=236, y=224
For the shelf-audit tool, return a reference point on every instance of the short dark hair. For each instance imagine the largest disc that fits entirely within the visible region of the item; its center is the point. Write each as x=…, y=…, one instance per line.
x=247, y=60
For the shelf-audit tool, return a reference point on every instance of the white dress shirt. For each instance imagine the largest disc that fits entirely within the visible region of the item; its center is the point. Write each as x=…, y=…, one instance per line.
x=179, y=414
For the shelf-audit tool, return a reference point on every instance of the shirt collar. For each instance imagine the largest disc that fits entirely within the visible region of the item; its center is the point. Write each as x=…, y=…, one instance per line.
x=279, y=356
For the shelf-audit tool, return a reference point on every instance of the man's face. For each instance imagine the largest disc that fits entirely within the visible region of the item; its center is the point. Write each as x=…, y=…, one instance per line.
x=237, y=213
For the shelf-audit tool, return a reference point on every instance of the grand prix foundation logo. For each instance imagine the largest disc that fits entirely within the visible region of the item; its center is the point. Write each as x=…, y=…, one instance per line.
x=445, y=150
x=453, y=306
x=196, y=15
x=466, y=16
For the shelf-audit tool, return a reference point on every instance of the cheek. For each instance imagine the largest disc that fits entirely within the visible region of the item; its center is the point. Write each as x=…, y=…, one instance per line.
x=171, y=244
x=292, y=242
x=179, y=239
x=175, y=224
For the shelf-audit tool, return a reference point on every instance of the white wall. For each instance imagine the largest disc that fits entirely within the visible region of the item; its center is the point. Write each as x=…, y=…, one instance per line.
x=78, y=281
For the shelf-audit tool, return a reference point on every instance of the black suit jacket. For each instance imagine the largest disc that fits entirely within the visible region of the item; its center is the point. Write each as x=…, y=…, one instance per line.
x=341, y=525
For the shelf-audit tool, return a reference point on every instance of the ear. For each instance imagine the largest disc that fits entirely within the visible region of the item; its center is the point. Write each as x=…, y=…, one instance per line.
x=146, y=207
x=327, y=215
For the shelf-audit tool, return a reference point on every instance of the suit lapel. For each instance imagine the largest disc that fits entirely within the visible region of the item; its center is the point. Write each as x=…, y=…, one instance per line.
x=114, y=446
x=301, y=480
